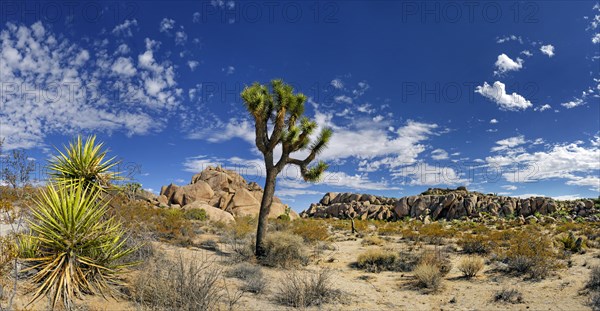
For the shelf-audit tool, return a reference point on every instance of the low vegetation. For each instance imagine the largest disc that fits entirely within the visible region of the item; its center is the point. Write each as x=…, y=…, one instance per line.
x=251, y=275
x=470, y=266
x=377, y=260
x=512, y=296
x=428, y=276
x=178, y=285
x=311, y=288
x=284, y=250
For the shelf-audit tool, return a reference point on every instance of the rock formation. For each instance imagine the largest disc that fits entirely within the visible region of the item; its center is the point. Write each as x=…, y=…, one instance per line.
x=438, y=204
x=223, y=190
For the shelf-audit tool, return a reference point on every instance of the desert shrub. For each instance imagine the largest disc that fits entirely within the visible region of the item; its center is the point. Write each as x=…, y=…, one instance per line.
x=376, y=260
x=508, y=295
x=530, y=253
x=195, y=214
x=407, y=261
x=570, y=243
x=242, y=227
x=279, y=224
x=310, y=230
x=470, y=266
x=209, y=244
x=428, y=276
x=252, y=276
x=142, y=248
x=474, y=244
x=178, y=285
x=8, y=251
x=372, y=240
x=595, y=302
x=434, y=233
x=390, y=228
x=284, y=217
x=284, y=249
x=436, y=259
x=593, y=282
x=308, y=289
x=240, y=248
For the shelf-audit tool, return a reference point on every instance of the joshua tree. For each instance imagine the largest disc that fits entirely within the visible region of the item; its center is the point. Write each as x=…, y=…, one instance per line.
x=282, y=110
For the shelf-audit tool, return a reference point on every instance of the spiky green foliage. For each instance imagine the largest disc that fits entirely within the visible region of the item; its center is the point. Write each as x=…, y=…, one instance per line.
x=78, y=247
x=284, y=110
x=83, y=162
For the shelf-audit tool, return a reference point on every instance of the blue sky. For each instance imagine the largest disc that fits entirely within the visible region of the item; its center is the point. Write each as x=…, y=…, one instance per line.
x=500, y=96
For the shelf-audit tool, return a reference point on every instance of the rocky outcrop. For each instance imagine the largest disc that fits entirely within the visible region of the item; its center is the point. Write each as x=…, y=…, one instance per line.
x=223, y=190
x=438, y=204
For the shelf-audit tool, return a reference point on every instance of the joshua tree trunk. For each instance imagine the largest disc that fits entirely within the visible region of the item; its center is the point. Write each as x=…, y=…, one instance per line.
x=265, y=208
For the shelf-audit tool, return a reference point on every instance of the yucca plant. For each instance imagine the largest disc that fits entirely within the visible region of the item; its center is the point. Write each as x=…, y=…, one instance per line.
x=78, y=249
x=83, y=163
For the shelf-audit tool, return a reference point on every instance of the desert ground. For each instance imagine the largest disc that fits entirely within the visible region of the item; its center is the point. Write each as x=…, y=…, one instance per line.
x=558, y=277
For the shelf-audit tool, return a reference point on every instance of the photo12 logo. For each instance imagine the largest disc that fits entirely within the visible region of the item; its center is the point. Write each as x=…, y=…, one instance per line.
x=469, y=12
x=267, y=12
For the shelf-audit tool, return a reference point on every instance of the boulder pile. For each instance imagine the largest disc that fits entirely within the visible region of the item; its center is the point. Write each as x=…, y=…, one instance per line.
x=222, y=193
x=436, y=203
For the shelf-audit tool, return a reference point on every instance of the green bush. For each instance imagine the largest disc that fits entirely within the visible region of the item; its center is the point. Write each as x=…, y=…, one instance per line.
x=195, y=214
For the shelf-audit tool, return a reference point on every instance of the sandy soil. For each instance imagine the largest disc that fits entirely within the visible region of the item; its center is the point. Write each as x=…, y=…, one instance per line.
x=395, y=290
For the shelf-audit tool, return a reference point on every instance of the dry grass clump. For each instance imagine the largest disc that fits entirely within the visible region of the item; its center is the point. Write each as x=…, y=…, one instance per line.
x=377, y=260
x=252, y=276
x=372, y=240
x=470, y=266
x=428, y=276
x=310, y=230
x=308, y=289
x=436, y=259
x=508, y=296
x=178, y=285
x=284, y=250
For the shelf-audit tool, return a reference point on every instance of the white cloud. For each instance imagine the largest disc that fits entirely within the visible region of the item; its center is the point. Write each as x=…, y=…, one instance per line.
x=166, y=25
x=509, y=187
x=193, y=64
x=123, y=49
x=343, y=99
x=504, y=64
x=235, y=128
x=567, y=197
x=596, y=38
x=548, y=50
x=180, y=37
x=75, y=89
x=123, y=66
x=509, y=38
x=439, y=154
x=497, y=93
x=229, y=70
x=337, y=83
x=362, y=88
x=572, y=162
x=542, y=108
x=574, y=103
x=527, y=53
x=125, y=28
x=423, y=174
x=493, y=121
x=508, y=143
x=589, y=181
x=196, y=17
